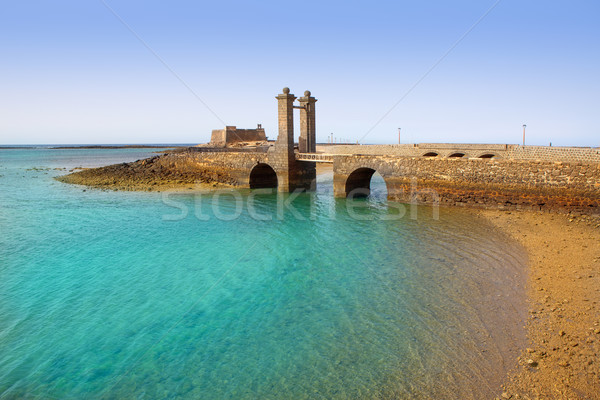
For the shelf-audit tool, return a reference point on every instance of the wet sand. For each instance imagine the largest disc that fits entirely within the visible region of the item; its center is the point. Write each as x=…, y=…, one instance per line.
x=562, y=360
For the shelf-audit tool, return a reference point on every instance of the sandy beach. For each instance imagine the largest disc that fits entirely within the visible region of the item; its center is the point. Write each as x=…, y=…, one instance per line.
x=563, y=327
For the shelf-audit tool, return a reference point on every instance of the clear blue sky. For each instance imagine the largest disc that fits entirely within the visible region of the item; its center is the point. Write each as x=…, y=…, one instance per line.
x=71, y=72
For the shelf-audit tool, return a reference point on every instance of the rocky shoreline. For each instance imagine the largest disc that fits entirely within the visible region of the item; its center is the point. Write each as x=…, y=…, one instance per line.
x=562, y=360
x=151, y=174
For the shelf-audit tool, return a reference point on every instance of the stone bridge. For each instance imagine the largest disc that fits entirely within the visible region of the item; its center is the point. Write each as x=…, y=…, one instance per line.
x=454, y=174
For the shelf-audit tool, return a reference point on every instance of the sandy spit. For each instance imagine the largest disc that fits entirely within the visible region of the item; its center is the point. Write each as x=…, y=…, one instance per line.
x=562, y=360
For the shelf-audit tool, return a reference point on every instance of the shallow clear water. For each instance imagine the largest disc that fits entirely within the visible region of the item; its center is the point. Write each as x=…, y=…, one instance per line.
x=136, y=295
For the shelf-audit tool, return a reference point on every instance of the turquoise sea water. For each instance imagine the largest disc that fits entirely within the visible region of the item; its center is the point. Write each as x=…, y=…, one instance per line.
x=136, y=295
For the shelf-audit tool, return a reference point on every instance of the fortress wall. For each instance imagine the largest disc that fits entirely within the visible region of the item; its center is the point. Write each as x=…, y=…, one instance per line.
x=231, y=134
x=246, y=135
x=218, y=137
x=534, y=185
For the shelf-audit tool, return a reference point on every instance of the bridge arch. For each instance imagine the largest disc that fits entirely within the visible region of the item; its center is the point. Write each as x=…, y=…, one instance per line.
x=358, y=183
x=263, y=176
x=430, y=154
x=487, y=155
x=456, y=155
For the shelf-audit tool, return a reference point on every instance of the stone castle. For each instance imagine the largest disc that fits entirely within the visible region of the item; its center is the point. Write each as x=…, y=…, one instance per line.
x=231, y=135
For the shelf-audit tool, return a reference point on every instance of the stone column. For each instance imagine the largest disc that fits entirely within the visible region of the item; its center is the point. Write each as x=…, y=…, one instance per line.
x=308, y=132
x=339, y=176
x=291, y=174
x=282, y=155
x=285, y=110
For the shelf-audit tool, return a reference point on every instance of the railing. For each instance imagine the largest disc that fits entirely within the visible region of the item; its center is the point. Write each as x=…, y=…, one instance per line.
x=315, y=157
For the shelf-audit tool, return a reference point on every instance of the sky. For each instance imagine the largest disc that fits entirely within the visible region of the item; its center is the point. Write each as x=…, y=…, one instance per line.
x=108, y=71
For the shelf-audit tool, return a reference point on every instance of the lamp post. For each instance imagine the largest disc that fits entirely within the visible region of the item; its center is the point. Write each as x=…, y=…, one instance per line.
x=399, y=135
x=524, y=126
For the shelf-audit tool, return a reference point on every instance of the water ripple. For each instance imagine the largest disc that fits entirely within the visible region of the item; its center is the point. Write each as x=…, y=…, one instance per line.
x=100, y=297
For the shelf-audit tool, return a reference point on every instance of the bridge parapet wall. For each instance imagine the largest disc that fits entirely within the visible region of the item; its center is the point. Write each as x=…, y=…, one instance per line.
x=501, y=151
x=234, y=167
x=546, y=153
x=487, y=183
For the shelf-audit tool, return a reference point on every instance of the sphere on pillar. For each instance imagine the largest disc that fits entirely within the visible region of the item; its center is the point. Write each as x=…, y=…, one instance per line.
x=307, y=93
x=286, y=90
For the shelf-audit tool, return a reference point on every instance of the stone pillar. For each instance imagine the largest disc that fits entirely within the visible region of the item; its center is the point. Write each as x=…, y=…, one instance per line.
x=339, y=176
x=291, y=174
x=308, y=131
x=306, y=172
x=285, y=111
x=282, y=155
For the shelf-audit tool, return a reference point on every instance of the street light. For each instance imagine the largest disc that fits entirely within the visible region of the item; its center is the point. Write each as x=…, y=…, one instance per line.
x=399, y=135
x=524, y=126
